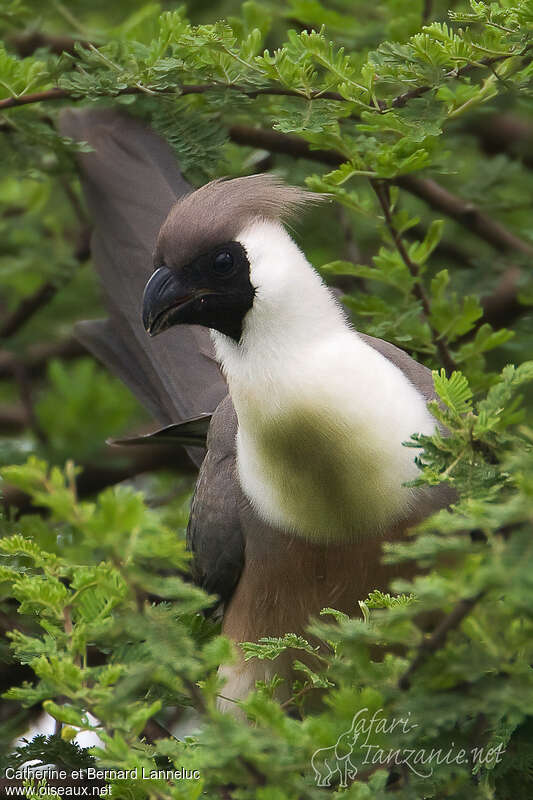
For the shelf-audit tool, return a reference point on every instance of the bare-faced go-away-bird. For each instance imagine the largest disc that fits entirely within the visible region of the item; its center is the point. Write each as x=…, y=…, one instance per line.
x=218, y=321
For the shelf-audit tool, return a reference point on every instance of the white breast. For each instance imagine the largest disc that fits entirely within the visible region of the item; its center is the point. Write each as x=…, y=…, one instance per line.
x=322, y=415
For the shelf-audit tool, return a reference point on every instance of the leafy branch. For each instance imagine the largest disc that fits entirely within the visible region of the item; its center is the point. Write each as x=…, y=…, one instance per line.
x=183, y=90
x=438, y=638
x=419, y=292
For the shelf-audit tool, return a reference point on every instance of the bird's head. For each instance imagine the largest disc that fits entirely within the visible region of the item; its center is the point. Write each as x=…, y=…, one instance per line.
x=204, y=274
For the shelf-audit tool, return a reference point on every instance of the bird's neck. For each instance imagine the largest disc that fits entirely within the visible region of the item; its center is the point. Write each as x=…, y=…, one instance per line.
x=292, y=312
x=322, y=415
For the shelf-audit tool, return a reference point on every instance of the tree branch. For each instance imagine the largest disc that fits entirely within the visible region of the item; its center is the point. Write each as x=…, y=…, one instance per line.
x=402, y=99
x=283, y=143
x=502, y=308
x=41, y=297
x=503, y=304
x=26, y=397
x=419, y=292
x=426, y=189
x=438, y=638
x=463, y=212
x=27, y=308
x=60, y=44
x=36, y=358
x=504, y=133
x=35, y=97
x=64, y=94
x=27, y=43
x=12, y=419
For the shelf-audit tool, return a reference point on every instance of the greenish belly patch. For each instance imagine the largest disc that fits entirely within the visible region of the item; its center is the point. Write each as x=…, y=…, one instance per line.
x=326, y=482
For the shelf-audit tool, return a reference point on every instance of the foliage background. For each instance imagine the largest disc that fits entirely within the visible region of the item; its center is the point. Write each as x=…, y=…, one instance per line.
x=417, y=117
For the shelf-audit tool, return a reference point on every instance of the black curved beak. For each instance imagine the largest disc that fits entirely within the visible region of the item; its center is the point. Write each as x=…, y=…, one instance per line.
x=163, y=298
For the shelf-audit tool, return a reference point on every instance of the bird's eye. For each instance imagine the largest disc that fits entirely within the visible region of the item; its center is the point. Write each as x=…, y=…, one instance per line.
x=223, y=263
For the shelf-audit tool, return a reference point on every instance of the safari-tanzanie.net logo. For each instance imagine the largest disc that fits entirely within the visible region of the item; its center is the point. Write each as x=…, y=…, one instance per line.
x=357, y=750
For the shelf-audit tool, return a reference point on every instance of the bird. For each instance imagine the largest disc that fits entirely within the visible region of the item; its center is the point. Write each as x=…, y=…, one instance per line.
x=230, y=338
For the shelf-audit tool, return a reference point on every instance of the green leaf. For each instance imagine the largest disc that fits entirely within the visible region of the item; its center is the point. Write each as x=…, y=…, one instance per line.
x=65, y=713
x=454, y=391
x=270, y=647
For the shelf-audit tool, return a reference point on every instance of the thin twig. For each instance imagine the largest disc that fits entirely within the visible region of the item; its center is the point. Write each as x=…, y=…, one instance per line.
x=34, y=97
x=439, y=198
x=196, y=695
x=26, y=309
x=297, y=696
x=154, y=730
x=67, y=627
x=402, y=99
x=438, y=639
x=419, y=292
x=27, y=43
x=502, y=305
x=435, y=195
x=64, y=94
x=75, y=203
x=36, y=358
x=57, y=93
x=42, y=296
x=26, y=397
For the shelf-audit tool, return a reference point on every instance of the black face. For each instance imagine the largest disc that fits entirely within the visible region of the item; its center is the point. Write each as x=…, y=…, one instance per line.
x=214, y=291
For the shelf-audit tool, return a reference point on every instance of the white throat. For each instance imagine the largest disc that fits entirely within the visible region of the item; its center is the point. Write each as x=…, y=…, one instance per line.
x=322, y=415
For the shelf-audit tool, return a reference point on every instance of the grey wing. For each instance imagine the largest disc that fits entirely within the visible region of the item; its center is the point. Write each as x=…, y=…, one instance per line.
x=130, y=181
x=214, y=533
